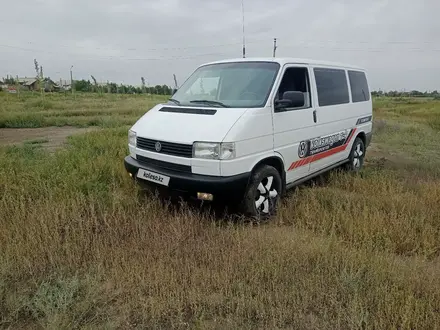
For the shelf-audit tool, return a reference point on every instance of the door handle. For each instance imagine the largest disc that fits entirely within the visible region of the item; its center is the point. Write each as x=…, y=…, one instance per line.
x=314, y=116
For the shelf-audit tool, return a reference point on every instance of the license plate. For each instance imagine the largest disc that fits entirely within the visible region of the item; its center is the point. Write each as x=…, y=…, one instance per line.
x=153, y=177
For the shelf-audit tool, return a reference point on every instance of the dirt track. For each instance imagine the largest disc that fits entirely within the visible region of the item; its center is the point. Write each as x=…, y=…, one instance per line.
x=50, y=138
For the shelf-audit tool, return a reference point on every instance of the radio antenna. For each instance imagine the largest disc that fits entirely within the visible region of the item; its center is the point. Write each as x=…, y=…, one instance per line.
x=242, y=13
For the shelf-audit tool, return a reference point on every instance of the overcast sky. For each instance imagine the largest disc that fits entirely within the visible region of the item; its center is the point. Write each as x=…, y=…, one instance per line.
x=397, y=41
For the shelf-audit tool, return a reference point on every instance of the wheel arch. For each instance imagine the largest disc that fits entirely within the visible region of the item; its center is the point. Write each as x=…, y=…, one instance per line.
x=363, y=136
x=277, y=162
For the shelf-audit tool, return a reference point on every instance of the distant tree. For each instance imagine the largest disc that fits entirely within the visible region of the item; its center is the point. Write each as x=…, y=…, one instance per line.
x=83, y=85
x=9, y=80
x=95, y=83
x=112, y=87
x=37, y=68
x=143, y=84
x=166, y=90
x=39, y=76
x=416, y=93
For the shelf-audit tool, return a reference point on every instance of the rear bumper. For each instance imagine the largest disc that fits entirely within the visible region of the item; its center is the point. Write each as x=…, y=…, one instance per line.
x=225, y=188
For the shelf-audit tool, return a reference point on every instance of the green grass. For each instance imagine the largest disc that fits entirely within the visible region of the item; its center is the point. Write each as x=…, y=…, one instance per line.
x=81, y=247
x=36, y=141
x=82, y=110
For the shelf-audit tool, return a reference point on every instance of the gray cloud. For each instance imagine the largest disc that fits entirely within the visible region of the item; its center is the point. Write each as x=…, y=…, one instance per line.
x=397, y=41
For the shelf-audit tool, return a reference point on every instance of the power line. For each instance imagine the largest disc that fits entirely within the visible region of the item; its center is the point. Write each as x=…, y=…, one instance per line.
x=194, y=56
x=367, y=50
x=262, y=40
x=147, y=49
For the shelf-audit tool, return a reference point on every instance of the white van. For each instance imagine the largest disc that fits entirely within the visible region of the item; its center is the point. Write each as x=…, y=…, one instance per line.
x=245, y=130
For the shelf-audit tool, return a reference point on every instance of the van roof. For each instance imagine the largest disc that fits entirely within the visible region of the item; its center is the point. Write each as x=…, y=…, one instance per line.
x=287, y=60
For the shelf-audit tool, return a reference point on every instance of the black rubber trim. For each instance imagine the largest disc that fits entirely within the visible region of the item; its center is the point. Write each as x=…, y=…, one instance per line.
x=223, y=187
x=368, y=137
x=163, y=165
x=315, y=174
x=364, y=120
x=192, y=111
x=169, y=148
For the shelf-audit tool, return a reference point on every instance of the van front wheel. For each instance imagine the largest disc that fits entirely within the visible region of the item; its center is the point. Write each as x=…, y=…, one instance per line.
x=263, y=193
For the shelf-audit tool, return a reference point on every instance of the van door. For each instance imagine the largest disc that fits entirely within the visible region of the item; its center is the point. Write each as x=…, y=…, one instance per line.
x=293, y=126
x=336, y=119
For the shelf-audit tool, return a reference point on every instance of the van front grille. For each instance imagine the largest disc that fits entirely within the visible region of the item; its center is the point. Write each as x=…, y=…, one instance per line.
x=165, y=165
x=169, y=148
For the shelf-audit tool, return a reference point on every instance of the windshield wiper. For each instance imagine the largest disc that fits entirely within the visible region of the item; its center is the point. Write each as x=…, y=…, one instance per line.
x=175, y=101
x=210, y=102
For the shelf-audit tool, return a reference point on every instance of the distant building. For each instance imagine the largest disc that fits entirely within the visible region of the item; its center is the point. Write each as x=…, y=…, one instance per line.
x=63, y=85
x=33, y=85
x=28, y=83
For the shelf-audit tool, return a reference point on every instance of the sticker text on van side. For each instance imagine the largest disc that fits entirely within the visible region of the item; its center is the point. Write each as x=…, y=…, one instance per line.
x=320, y=144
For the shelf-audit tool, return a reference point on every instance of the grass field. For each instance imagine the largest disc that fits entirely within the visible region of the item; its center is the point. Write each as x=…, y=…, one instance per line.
x=80, y=247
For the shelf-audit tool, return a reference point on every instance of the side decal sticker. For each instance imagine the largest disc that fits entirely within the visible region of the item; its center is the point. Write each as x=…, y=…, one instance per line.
x=323, y=146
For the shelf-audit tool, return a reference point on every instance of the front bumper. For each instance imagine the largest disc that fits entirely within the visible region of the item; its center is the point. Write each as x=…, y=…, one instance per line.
x=224, y=188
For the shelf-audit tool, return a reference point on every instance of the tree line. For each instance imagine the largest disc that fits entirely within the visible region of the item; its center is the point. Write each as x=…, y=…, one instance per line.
x=413, y=93
x=110, y=87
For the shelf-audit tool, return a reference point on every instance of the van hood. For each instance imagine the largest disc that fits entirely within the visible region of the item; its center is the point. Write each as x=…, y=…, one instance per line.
x=187, y=124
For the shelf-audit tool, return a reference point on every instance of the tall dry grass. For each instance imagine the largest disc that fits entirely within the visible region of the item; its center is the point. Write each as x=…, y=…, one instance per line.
x=81, y=247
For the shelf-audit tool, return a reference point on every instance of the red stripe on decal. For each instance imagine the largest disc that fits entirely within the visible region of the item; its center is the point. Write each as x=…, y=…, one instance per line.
x=294, y=165
x=306, y=161
x=351, y=135
x=322, y=155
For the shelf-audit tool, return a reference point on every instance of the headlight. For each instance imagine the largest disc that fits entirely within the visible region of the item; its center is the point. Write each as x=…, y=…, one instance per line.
x=132, y=138
x=214, y=150
x=227, y=150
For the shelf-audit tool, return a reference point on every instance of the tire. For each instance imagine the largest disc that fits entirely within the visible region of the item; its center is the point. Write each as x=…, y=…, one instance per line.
x=262, y=193
x=357, y=155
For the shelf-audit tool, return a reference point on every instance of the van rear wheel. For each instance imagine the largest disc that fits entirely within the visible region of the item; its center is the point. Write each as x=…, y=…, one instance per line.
x=357, y=155
x=263, y=193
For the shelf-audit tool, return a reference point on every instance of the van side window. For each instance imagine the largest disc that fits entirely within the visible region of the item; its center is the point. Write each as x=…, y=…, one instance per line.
x=295, y=80
x=359, y=86
x=332, y=86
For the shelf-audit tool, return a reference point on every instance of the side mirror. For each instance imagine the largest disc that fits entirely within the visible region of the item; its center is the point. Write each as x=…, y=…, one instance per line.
x=291, y=99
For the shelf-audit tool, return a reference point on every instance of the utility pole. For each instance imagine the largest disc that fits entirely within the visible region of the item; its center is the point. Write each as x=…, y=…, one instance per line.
x=274, y=46
x=71, y=80
x=17, y=85
x=175, y=81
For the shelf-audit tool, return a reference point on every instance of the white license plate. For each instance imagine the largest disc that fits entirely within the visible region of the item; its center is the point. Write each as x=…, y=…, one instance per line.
x=153, y=177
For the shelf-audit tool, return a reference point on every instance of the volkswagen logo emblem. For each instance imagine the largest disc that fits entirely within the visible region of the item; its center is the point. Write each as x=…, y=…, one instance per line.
x=158, y=146
x=303, y=149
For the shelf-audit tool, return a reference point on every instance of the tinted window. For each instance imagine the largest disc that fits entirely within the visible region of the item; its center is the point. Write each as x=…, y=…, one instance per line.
x=359, y=86
x=332, y=86
x=297, y=80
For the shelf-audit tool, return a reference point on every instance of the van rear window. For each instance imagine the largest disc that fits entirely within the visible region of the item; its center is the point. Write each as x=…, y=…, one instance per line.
x=359, y=86
x=332, y=86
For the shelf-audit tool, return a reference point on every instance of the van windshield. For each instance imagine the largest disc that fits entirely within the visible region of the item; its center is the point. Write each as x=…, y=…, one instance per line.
x=235, y=85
